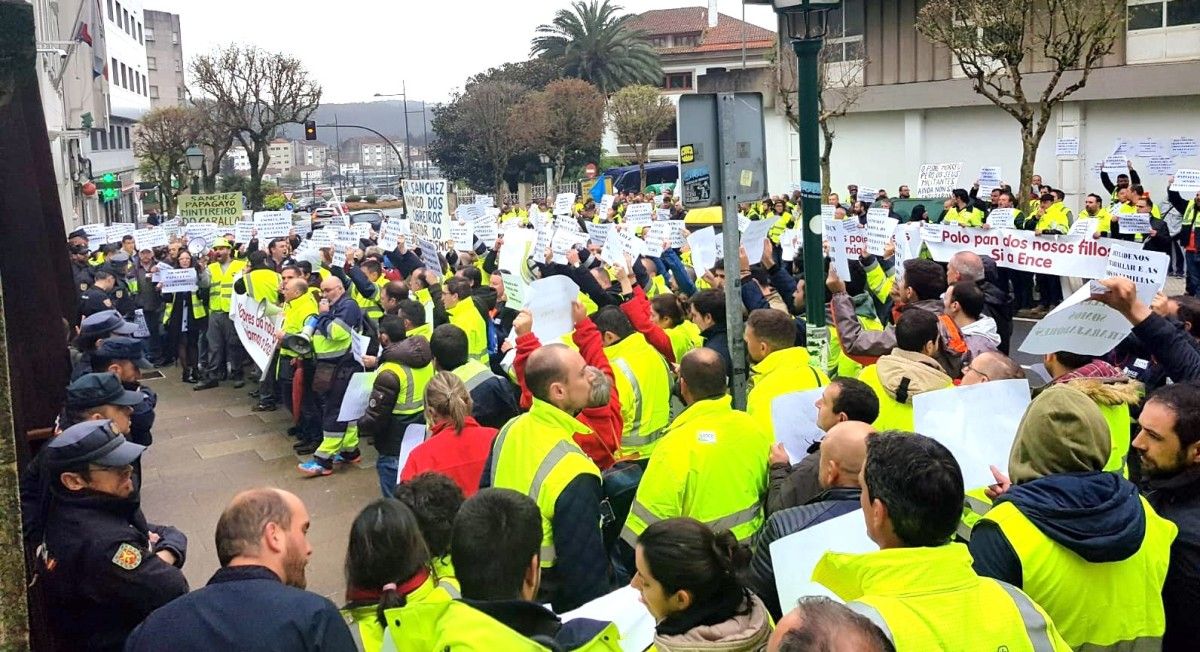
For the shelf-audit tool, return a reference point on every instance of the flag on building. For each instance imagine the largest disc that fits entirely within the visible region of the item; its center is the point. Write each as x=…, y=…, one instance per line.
x=91, y=31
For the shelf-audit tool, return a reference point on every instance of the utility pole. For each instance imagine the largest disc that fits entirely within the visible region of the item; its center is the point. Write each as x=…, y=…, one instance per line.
x=407, y=147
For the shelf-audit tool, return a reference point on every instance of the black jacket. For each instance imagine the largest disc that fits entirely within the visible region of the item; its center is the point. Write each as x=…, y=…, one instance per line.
x=1177, y=499
x=494, y=402
x=245, y=608
x=99, y=572
x=792, y=485
x=831, y=503
x=1173, y=347
x=378, y=421
x=715, y=338
x=997, y=303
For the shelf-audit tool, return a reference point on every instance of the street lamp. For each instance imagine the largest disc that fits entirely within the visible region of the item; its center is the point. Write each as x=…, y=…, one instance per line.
x=195, y=162
x=403, y=94
x=549, y=176
x=806, y=22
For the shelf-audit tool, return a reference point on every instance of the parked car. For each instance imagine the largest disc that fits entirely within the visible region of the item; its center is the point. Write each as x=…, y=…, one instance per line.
x=323, y=216
x=387, y=198
x=370, y=216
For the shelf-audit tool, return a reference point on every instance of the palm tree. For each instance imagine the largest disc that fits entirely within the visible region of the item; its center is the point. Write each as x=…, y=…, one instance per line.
x=592, y=42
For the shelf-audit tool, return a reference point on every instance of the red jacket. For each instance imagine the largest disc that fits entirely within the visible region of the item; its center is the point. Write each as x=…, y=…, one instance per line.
x=460, y=457
x=637, y=310
x=605, y=421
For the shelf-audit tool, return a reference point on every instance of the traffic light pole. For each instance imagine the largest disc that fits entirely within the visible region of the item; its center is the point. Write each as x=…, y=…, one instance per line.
x=807, y=51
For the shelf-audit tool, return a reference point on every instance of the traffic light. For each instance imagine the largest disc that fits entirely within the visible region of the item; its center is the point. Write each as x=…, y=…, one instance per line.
x=108, y=187
x=310, y=130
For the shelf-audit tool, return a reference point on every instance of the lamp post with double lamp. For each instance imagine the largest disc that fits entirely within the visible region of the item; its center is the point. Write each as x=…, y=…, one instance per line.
x=549, y=176
x=195, y=163
x=806, y=22
x=403, y=95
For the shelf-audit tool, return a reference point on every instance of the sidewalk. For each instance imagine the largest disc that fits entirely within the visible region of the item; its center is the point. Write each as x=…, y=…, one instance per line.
x=208, y=446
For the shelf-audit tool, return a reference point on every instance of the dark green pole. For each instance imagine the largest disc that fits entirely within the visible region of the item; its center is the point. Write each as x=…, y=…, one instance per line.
x=810, y=198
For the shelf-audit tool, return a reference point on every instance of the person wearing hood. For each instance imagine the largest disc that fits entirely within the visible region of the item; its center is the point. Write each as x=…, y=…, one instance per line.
x=919, y=587
x=1168, y=446
x=1112, y=391
x=687, y=577
x=908, y=370
x=779, y=366
x=397, y=396
x=1080, y=541
x=964, y=303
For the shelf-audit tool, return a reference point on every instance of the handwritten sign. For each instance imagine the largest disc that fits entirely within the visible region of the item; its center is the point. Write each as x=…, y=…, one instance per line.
x=1084, y=226
x=1161, y=166
x=243, y=232
x=598, y=233
x=1066, y=147
x=938, y=179
x=867, y=194
x=178, y=280
x=1147, y=269
x=223, y=208
x=1002, y=218
x=604, y=206
x=273, y=224
x=150, y=238
x=880, y=229
x=428, y=206
x=1184, y=147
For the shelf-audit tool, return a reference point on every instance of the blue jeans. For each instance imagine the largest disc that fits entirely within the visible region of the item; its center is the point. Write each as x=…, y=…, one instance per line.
x=388, y=468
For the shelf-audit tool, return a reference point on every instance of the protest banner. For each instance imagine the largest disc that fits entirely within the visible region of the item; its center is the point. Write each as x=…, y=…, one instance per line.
x=429, y=255
x=256, y=323
x=1115, y=164
x=1078, y=325
x=938, y=179
x=1187, y=182
x=1062, y=255
x=150, y=238
x=462, y=235
x=1146, y=148
x=178, y=280
x=243, y=232
x=951, y=416
x=222, y=208
x=880, y=229
x=604, y=206
x=1184, y=147
x=752, y=239
x=567, y=223
x=1147, y=269
x=639, y=214
x=867, y=194
x=795, y=556
x=428, y=206
x=989, y=178
x=1121, y=148
x=272, y=224
x=1002, y=218
x=1134, y=223
x=207, y=231
x=1066, y=147
x=658, y=233
x=564, y=203
x=117, y=231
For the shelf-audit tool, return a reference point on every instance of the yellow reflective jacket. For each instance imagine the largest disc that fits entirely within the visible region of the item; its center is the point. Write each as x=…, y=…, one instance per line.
x=644, y=387
x=781, y=372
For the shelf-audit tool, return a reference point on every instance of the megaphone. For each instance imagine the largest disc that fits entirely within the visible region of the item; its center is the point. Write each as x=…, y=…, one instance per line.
x=300, y=342
x=197, y=246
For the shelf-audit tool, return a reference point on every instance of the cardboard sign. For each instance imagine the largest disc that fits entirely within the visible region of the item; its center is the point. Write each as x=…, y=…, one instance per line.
x=222, y=208
x=1002, y=218
x=938, y=179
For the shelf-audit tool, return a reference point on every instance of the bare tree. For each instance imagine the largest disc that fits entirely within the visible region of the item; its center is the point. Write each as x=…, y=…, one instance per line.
x=565, y=117
x=484, y=110
x=160, y=143
x=999, y=43
x=215, y=136
x=841, y=88
x=258, y=92
x=639, y=115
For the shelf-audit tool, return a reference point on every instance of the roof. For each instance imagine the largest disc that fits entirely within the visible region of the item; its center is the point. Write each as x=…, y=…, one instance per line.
x=727, y=35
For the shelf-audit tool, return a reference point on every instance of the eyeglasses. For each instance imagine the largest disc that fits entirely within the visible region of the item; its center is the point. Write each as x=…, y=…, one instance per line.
x=985, y=377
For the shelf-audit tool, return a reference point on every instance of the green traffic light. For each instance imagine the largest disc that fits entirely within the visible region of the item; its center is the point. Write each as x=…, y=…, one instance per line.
x=108, y=178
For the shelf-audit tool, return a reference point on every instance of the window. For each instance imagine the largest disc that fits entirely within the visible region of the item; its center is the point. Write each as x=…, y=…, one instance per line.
x=174, y=38
x=140, y=39
x=844, y=38
x=151, y=63
x=110, y=11
x=677, y=81
x=95, y=134
x=128, y=142
x=154, y=92
x=182, y=93
x=103, y=140
x=657, y=41
x=686, y=40
x=126, y=26
x=116, y=72
x=150, y=34
x=1162, y=30
x=124, y=77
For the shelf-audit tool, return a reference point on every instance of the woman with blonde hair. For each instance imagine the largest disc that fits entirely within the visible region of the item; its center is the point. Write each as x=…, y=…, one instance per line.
x=457, y=446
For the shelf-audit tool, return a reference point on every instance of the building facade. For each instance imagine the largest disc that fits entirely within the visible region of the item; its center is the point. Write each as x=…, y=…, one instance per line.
x=917, y=106
x=702, y=51
x=282, y=153
x=376, y=154
x=164, y=59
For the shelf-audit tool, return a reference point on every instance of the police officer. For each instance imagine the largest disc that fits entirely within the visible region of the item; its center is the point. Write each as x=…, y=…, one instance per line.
x=125, y=358
x=92, y=331
x=120, y=265
x=98, y=296
x=104, y=568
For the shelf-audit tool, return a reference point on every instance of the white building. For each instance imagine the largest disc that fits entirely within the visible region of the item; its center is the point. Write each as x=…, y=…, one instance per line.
x=241, y=161
x=707, y=52
x=92, y=96
x=282, y=154
x=917, y=107
x=376, y=154
x=350, y=168
x=312, y=153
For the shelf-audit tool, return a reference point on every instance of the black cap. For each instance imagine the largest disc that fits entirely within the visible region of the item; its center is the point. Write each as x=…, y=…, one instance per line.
x=91, y=442
x=106, y=322
x=94, y=390
x=78, y=233
x=124, y=348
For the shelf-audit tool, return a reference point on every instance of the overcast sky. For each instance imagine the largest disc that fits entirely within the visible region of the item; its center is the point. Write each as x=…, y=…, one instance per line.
x=356, y=48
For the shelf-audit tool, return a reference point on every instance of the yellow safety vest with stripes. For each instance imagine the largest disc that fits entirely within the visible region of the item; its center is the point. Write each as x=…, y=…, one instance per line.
x=410, y=397
x=335, y=343
x=684, y=338
x=466, y=316
x=262, y=285
x=220, y=293
x=536, y=454
x=295, y=313
x=473, y=374
x=198, y=309
x=969, y=216
x=1097, y=606
x=371, y=306
x=459, y=627
x=365, y=617
x=711, y=466
x=424, y=330
x=644, y=389
x=931, y=599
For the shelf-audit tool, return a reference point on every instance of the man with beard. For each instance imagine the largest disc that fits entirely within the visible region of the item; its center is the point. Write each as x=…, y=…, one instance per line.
x=1168, y=446
x=255, y=601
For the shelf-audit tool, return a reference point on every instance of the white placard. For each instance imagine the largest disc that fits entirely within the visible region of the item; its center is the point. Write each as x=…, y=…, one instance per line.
x=544, y=235
x=338, y=258
x=429, y=255
x=563, y=241
x=658, y=233
x=1121, y=148
x=639, y=214
x=414, y=435
x=243, y=232
x=97, y=234
x=178, y=280
x=205, y=230
x=1184, y=147
x=662, y=214
x=604, y=206
x=486, y=228
x=790, y=242
x=303, y=227
x=1078, y=325
x=938, y=179
x=677, y=238
x=598, y=233
x=1134, y=223
x=880, y=229
x=835, y=235
x=989, y=178
x=359, y=345
x=344, y=237
x=1187, y=182
x=932, y=233
x=1084, y=226
x=118, y=230
x=428, y=205
x=256, y=323
x=549, y=299
x=362, y=230
x=485, y=200
x=1066, y=147
x=142, y=329
x=630, y=245
x=1161, y=166
x=1146, y=148
x=1115, y=164
x=703, y=244
x=1147, y=269
x=357, y=396
x=566, y=223
x=743, y=222
x=389, y=236
x=150, y=238
x=624, y=609
x=795, y=556
x=867, y=194
x=564, y=203
x=322, y=238
x=756, y=233
x=461, y=233
x=794, y=421
x=951, y=416
x=1002, y=218
x=273, y=224
x=828, y=211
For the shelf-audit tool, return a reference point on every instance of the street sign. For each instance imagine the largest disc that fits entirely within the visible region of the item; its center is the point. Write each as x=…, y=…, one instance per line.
x=700, y=160
x=590, y=170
